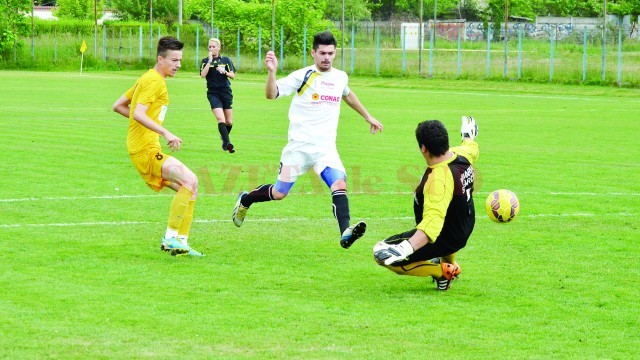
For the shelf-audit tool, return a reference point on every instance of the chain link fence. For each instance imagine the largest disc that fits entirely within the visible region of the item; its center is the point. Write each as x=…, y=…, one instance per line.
x=540, y=52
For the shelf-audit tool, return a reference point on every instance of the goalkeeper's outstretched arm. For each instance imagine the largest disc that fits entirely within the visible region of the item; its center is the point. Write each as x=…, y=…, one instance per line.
x=469, y=147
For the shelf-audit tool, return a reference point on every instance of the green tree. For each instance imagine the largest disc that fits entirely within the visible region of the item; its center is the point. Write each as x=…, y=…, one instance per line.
x=522, y=8
x=353, y=10
x=621, y=8
x=468, y=9
x=578, y=8
x=496, y=10
x=13, y=24
x=587, y=8
x=292, y=15
x=410, y=9
x=494, y=13
x=77, y=9
x=164, y=11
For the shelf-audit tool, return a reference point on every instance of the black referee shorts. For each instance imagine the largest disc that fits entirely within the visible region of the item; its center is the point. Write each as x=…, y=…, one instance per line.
x=220, y=98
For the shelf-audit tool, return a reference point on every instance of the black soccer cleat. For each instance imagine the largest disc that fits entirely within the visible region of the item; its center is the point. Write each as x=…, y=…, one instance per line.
x=352, y=233
x=228, y=147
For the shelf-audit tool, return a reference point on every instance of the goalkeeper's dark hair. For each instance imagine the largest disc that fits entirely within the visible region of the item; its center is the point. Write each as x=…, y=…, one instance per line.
x=433, y=135
x=168, y=43
x=323, y=38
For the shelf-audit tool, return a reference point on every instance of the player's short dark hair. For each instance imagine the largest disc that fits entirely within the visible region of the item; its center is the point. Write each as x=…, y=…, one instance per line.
x=433, y=135
x=323, y=38
x=168, y=43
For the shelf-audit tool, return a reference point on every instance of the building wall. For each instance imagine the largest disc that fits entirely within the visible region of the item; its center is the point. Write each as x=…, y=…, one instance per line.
x=46, y=13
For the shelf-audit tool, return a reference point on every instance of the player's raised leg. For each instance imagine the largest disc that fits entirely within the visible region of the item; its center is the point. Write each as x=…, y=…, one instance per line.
x=262, y=193
x=291, y=166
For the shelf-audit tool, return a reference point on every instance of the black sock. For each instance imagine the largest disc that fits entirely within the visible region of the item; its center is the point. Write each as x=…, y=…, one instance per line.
x=229, y=127
x=341, y=209
x=222, y=128
x=260, y=194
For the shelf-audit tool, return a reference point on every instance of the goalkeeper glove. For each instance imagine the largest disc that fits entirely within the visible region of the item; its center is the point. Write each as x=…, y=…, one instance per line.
x=469, y=128
x=392, y=253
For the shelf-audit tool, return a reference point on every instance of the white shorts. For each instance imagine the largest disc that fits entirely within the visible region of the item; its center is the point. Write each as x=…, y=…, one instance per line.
x=297, y=159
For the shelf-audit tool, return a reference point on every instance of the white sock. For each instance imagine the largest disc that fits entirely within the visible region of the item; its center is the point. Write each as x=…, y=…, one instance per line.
x=171, y=233
x=184, y=239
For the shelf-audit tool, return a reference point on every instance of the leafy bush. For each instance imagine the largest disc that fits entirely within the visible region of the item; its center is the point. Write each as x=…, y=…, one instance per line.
x=70, y=26
x=135, y=24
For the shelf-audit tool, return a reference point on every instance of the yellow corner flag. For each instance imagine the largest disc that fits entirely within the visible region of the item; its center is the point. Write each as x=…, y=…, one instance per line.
x=83, y=48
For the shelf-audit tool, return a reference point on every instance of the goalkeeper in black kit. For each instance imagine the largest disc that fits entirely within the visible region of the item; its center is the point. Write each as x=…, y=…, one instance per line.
x=443, y=208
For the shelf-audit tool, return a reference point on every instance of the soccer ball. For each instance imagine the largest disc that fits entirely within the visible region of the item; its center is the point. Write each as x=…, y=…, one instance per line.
x=502, y=206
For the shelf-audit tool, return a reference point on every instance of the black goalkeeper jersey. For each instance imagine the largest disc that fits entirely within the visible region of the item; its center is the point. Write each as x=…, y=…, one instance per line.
x=447, y=212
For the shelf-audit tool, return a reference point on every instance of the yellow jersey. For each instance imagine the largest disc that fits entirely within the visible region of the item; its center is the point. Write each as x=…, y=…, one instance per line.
x=151, y=90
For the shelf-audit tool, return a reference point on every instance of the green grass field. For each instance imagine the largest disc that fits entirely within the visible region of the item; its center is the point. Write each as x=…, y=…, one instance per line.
x=82, y=276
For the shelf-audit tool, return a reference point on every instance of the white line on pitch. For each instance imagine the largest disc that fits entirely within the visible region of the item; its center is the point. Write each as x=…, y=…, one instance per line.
x=116, y=197
x=272, y=220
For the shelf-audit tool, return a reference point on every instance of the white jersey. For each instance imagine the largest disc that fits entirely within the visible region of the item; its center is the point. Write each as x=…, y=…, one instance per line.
x=315, y=108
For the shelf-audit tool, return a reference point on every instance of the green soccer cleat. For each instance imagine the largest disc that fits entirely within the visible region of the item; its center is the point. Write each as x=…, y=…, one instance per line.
x=192, y=252
x=239, y=212
x=174, y=246
x=195, y=253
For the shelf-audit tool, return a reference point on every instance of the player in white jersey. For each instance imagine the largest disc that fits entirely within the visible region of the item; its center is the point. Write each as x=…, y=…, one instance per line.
x=313, y=122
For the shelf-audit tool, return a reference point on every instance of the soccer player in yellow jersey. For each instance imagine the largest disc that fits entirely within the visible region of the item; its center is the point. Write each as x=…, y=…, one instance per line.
x=145, y=105
x=443, y=208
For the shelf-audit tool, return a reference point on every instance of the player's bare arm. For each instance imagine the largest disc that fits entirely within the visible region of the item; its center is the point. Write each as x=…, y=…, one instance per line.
x=140, y=115
x=207, y=66
x=230, y=74
x=353, y=101
x=121, y=106
x=271, y=63
x=419, y=239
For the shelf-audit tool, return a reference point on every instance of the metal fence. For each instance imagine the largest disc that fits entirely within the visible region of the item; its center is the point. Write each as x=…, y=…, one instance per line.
x=524, y=51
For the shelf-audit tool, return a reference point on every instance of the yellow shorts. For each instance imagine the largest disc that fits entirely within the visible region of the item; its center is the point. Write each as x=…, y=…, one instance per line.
x=149, y=166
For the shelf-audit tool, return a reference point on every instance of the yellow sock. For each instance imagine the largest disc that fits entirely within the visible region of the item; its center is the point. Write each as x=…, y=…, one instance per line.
x=451, y=258
x=179, y=207
x=418, y=268
x=185, y=227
